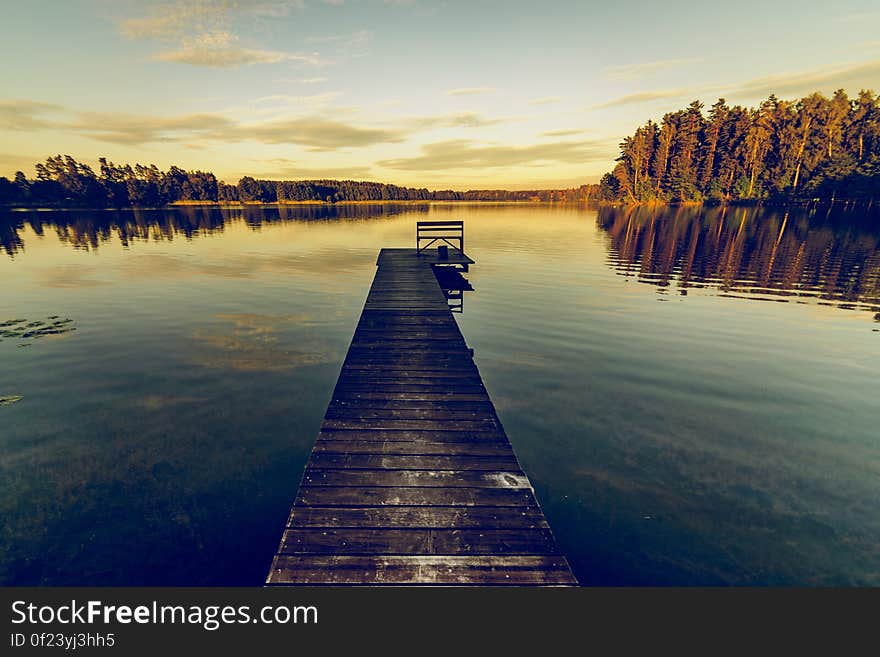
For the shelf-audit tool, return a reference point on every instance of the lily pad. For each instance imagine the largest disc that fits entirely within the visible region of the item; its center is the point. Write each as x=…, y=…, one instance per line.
x=8, y=400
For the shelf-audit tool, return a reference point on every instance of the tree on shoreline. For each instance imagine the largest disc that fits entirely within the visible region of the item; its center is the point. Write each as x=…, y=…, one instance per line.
x=813, y=148
x=63, y=182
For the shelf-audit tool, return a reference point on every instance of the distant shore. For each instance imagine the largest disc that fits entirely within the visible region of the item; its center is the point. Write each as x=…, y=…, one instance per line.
x=258, y=204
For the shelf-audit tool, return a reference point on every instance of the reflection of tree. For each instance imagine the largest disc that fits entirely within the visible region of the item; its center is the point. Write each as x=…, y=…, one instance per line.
x=834, y=256
x=10, y=240
x=89, y=229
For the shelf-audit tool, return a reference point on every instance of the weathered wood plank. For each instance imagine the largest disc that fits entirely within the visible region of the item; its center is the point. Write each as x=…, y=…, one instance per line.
x=482, y=570
x=416, y=541
x=499, y=517
x=412, y=447
x=330, y=461
x=484, y=424
x=412, y=496
x=444, y=436
x=404, y=478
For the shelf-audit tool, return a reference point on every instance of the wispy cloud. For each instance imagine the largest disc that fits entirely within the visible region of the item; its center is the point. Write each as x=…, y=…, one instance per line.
x=464, y=154
x=357, y=39
x=864, y=17
x=794, y=84
x=470, y=91
x=26, y=114
x=203, y=32
x=641, y=70
x=642, y=97
x=310, y=100
x=283, y=168
x=210, y=50
x=863, y=74
x=545, y=101
x=132, y=129
x=316, y=133
x=310, y=129
x=454, y=120
x=561, y=133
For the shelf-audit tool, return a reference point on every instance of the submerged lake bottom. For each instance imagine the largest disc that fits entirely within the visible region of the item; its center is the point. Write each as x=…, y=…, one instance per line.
x=692, y=391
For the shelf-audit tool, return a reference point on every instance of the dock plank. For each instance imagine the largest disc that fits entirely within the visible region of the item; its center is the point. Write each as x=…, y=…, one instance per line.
x=412, y=480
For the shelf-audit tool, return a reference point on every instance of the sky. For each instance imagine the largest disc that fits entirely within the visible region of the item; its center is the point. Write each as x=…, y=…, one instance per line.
x=461, y=95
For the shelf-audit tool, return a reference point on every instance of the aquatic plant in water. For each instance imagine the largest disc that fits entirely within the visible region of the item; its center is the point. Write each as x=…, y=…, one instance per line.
x=24, y=330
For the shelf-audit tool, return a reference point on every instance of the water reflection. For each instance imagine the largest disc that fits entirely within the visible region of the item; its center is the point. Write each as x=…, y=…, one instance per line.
x=88, y=229
x=454, y=285
x=777, y=255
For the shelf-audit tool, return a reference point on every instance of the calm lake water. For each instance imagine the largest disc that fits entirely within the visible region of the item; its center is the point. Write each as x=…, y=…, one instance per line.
x=694, y=393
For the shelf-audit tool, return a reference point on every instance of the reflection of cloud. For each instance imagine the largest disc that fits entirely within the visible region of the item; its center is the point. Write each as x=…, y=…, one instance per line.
x=158, y=266
x=70, y=276
x=156, y=402
x=463, y=154
x=253, y=344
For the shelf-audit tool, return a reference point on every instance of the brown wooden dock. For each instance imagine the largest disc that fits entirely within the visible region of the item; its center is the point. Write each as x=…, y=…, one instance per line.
x=412, y=480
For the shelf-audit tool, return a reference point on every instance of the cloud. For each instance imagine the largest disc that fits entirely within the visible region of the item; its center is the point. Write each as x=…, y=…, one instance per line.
x=285, y=169
x=454, y=120
x=231, y=57
x=464, y=154
x=545, y=101
x=357, y=39
x=26, y=114
x=852, y=77
x=311, y=100
x=200, y=32
x=307, y=80
x=314, y=132
x=133, y=129
x=561, y=133
x=643, y=97
x=643, y=69
x=470, y=91
x=863, y=74
x=311, y=130
x=865, y=17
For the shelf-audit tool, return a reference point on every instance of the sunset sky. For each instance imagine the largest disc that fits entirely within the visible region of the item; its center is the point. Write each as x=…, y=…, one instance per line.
x=470, y=94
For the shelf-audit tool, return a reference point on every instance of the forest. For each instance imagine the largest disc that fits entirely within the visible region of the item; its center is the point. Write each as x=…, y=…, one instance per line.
x=815, y=148
x=61, y=181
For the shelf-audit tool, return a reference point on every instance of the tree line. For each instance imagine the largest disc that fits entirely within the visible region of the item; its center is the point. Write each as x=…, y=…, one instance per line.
x=62, y=181
x=815, y=148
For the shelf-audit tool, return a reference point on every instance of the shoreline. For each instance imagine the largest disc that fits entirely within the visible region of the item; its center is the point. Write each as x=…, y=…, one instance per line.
x=864, y=203
x=258, y=204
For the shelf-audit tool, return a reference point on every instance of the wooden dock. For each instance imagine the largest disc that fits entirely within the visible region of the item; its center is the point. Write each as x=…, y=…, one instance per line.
x=412, y=480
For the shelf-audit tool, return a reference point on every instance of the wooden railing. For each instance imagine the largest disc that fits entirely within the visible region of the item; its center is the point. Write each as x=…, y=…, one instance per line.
x=450, y=233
